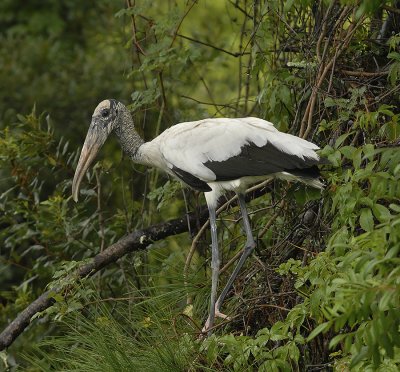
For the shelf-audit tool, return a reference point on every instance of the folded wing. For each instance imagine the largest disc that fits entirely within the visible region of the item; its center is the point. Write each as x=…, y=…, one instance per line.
x=227, y=149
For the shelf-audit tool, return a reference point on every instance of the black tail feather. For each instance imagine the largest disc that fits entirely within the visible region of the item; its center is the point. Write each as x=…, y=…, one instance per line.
x=311, y=172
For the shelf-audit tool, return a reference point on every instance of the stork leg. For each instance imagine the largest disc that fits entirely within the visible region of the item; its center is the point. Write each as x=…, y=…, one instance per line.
x=249, y=247
x=215, y=263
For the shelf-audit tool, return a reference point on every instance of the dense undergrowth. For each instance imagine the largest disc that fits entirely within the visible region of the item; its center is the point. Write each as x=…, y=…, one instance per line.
x=321, y=292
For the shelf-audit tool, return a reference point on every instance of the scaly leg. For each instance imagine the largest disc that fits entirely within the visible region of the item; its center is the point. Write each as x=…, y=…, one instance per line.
x=215, y=263
x=250, y=245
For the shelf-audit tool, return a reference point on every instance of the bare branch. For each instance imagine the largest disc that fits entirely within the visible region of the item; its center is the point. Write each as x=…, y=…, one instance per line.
x=364, y=73
x=233, y=54
x=216, y=105
x=136, y=241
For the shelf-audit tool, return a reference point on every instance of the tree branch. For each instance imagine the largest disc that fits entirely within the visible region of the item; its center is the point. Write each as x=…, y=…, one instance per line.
x=136, y=241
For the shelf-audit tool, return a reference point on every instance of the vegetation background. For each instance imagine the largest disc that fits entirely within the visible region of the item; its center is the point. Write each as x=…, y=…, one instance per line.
x=321, y=292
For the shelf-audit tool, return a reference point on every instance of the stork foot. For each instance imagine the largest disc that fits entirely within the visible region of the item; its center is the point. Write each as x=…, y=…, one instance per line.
x=218, y=314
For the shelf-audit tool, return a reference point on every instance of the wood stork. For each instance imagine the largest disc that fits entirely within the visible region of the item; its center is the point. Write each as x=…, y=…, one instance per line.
x=210, y=155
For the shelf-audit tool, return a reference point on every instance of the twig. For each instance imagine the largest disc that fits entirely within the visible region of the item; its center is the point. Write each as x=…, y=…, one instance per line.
x=194, y=2
x=163, y=95
x=249, y=62
x=207, y=103
x=236, y=5
x=129, y=298
x=271, y=220
x=274, y=306
x=260, y=235
x=139, y=50
x=323, y=70
x=391, y=9
x=382, y=96
x=9, y=262
x=323, y=32
x=99, y=210
x=233, y=54
x=364, y=73
x=207, y=88
x=231, y=261
x=187, y=317
x=308, y=115
x=187, y=210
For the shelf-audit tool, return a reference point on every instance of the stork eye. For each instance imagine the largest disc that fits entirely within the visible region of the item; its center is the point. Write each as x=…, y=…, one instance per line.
x=105, y=113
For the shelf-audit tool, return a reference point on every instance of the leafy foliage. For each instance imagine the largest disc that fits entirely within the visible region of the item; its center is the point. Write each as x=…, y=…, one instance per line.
x=323, y=291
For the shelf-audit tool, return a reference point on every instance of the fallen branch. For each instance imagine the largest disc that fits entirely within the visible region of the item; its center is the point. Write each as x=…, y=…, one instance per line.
x=136, y=241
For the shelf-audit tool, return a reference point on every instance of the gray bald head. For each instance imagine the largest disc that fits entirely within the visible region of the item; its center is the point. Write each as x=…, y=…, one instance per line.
x=105, y=119
x=106, y=114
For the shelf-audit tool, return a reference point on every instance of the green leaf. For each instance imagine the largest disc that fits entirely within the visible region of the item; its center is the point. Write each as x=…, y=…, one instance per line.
x=358, y=357
x=369, y=151
x=212, y=349
x=394, y=55
x=366, y=219
x=348, y=151
x=319, y=329
x=287, y=5
x=357, y=158
x=329, y=102
x=387, y=297
x=338, y=338
x=341, y=139
x=381, y=212
x=386, y=110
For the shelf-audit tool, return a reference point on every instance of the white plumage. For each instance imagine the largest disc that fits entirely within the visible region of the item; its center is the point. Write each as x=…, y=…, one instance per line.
x=210, y=155
x=188, y=146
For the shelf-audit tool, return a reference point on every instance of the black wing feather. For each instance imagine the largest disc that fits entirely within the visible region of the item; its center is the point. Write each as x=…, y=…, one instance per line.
x=261, y=161
x=191, y=180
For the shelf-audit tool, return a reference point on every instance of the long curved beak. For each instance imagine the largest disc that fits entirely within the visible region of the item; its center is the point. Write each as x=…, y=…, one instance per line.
x=95, y=138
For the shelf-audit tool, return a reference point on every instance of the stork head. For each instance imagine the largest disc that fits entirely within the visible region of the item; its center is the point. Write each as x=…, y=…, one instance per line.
x=104, y=120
